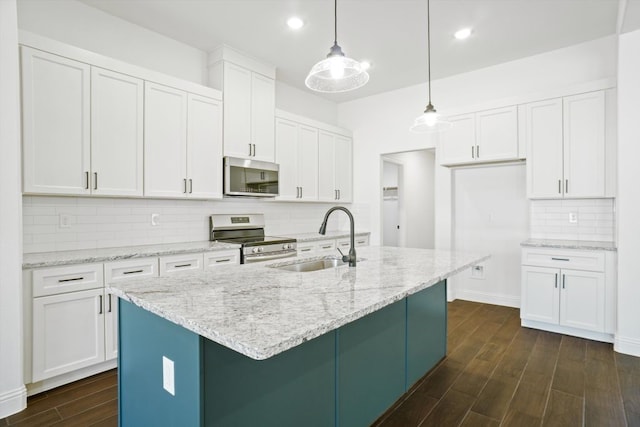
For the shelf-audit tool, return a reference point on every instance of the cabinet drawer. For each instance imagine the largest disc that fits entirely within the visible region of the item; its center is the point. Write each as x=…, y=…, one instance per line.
x=362, y=241
x=343, y=243
x=325, y=245
x=58, y=280
x=564, y=258
x=118, y=271
x=178, y=263
x=218, y=259
x=307, y=248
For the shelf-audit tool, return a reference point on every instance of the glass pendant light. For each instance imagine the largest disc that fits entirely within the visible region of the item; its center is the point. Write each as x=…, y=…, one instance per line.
x=430, y=120
x=336, y=73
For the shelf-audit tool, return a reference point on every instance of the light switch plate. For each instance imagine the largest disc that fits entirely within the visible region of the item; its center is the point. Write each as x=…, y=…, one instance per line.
x=168, y=379
x=64, y=220
x=573, y=217
x=155, y=219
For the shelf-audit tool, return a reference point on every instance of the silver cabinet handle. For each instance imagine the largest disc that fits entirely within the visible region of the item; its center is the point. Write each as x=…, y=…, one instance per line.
x=339, y=195
x=190, y=185
x=183, y=265
x=477, y=151
x=109, y=303
x=556, y=281
x=559, y=259
x=184, y=183
x=249, y=150
x=132, y=272
x=254, y=150
x=301, y=192
x=86, y=180
x=223, y=260
x=563, y=280
x=75, y=279
x=100, y=305
x=95, y=180
x=559, y=186
x=305, y=250
x=566, y=186
x=335, y=195
x=326, y=247
x=473, y=156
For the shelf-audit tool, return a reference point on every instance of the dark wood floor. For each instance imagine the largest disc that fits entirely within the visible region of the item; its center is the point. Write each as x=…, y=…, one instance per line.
x=496, y=373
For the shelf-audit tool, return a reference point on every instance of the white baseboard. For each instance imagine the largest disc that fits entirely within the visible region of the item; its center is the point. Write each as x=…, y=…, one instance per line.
x=488, y=298
x=625, y=345
x=13, y=401
x=49, y=383
x=565, y=330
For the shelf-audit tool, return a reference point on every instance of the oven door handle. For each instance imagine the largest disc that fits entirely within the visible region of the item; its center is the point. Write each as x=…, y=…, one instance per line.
x=252, y=259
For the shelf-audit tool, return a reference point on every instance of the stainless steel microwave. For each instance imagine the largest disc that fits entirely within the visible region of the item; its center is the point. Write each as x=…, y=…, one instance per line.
x=250, y=178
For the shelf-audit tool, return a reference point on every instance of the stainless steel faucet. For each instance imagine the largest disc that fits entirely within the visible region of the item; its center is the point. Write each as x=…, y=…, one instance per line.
x=351, y=258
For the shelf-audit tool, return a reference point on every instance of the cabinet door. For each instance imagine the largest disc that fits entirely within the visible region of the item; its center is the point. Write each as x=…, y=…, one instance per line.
x=497, y=134
x=204, y=147
x=457, y=144
x=237, y=110
x=111, y=327
x=308, y=162
x=540, y=297
x=582, y=300
x=116, y=133
x=165, y=141
x=68, y=332
x=220, y=259
x=344, y=166
x=327, y=191
x=287, y=158
x=584, y=145
x=55, y=123
x=544, y=149
x=175, y=264
x=263, y=106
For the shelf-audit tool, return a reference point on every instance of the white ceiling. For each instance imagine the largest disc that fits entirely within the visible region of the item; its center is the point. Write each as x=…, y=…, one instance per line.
x=391, y=34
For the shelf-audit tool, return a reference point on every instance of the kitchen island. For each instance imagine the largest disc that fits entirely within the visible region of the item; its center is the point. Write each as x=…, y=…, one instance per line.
x=258, y=345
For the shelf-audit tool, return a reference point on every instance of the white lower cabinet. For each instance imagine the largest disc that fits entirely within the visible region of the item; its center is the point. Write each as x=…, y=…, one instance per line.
x=222, y=258
x=174, y=264
x=68, y=332
x=329, y=245
x=567, y=293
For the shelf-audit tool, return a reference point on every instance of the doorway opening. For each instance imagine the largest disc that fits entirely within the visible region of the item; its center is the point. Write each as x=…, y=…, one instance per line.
x=408, y=194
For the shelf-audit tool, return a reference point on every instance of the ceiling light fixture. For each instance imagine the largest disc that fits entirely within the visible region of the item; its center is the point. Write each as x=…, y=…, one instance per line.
x=462, y=33
x=430, y=120
x=295, y=23
x=337, y=72
x=365, y=65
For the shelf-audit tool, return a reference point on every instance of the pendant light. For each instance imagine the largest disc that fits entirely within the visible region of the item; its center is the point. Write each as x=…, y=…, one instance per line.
x=430, y=120
x=336, y=73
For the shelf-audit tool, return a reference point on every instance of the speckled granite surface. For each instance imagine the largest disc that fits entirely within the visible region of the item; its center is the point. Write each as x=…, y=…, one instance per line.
x=310, y=237
x=570, y=244
x=261, y=311
x=49, y=259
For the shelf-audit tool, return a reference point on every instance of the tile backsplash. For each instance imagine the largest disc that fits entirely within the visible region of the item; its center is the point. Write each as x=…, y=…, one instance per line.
x=595, y=219
x=67, y=223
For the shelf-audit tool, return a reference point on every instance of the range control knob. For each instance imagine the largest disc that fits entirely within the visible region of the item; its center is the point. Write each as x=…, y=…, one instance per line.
x=286, y=246
x=254, y=250
x=260, y=249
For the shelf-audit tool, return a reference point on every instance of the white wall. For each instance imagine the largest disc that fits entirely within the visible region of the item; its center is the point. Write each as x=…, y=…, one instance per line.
x=491, y=214
x=305, y=103
x=628, y=202
x=13, y=395
x=381, y=123
x=418, y=193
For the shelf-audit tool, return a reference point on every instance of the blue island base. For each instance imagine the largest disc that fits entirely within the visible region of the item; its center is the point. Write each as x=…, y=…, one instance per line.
x=347, y=377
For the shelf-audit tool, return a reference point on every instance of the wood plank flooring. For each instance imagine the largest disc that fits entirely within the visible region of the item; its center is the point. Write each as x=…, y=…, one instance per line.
x=496, y=374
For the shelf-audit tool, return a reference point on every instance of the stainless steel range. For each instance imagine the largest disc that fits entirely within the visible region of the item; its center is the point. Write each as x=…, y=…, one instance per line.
x=248, y=231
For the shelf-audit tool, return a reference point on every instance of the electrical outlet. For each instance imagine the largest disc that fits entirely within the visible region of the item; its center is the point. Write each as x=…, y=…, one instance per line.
x=155, y=219
x=64, y=220
x=573, y=217
x=477, y=271
x=168, y=380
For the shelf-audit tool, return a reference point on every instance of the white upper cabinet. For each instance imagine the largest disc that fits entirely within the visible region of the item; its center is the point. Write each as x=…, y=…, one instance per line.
x=165, y=141
x=249, y=111
x=183, y=149
x=544, y=148
x=482, y=137
x=335, y=168
x=584, y=145
x=297, y=155
x=55, y=123
x=204, y=147
x=566, y=152
x=116, y=133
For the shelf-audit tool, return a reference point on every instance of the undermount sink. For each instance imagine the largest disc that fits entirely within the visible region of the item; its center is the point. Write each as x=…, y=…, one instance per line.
x=310, y=265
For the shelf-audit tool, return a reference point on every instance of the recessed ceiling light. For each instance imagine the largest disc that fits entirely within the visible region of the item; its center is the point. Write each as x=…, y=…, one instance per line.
x=463, y=33
x=365, y=65
x=295, y=23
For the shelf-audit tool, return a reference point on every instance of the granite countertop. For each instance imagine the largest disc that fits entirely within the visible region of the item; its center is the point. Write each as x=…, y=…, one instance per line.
x=260, y=311
x=310, y=237
x=570, y=244
x=49, y=259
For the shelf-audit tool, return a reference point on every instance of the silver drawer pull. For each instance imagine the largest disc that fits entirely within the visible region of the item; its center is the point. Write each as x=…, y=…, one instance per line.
x=326, y=247
x=223, y=260
x=560, y=259
x=359, y=241
x=100, y=304
x=183, y=265
x=109, y=303
x=305, y=250
x=132, y=272
x=75, y=279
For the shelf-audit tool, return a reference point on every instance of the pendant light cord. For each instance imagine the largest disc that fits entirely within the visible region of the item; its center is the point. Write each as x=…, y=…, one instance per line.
x=335, y=22
x=428, y=48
